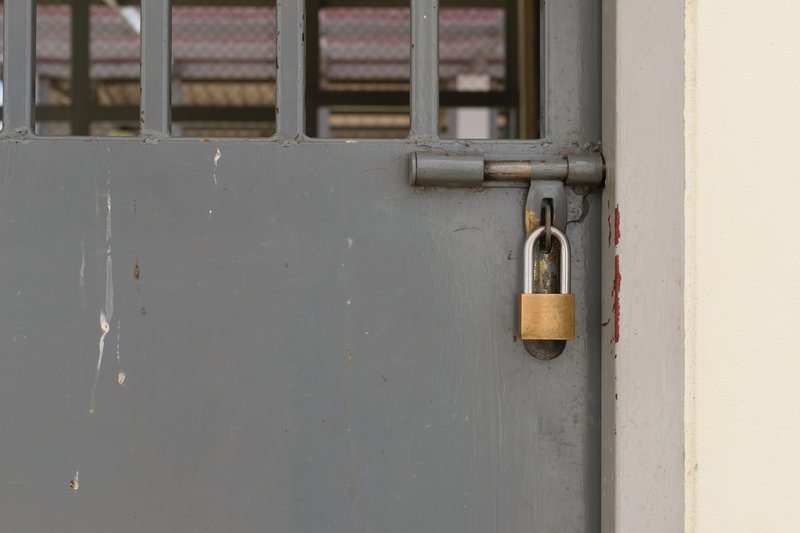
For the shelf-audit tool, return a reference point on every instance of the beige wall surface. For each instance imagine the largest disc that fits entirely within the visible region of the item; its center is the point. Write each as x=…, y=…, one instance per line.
x=742, y=291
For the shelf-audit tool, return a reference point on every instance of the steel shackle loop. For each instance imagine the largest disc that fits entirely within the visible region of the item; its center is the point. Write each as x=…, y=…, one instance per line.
x=564, y=267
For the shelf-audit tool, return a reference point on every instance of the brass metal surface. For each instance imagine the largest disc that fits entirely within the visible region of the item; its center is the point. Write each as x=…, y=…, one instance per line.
x=547, y=316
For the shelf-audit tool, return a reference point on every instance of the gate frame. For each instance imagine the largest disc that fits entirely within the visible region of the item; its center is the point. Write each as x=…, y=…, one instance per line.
x=642, y=464
x=643, y=272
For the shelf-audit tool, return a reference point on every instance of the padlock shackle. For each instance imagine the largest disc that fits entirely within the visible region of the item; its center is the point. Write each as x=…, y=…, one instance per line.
x=527, y=261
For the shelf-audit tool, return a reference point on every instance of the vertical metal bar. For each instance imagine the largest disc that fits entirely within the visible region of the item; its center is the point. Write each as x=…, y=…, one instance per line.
x=156, y=82
x=571, y=70
x=529, y=79
x=19, y=86
x=79, y=84
x=512, y=88
x=424, y=68
x=290, y=110
x=312, y=65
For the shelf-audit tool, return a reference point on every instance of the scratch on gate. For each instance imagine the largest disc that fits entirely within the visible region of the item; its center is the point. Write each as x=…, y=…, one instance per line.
x=82, y=274
x=120, y=375
x=107, y=313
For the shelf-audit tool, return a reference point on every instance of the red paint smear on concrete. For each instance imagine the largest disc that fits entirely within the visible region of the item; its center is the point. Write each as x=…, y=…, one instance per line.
x=616, y=225
x=615, y=292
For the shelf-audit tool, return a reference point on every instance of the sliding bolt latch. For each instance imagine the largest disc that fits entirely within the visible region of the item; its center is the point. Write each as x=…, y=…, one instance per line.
x=429, y=169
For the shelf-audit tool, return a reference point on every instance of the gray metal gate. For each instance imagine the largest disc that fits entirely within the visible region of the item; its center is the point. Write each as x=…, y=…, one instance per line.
x=312, y=346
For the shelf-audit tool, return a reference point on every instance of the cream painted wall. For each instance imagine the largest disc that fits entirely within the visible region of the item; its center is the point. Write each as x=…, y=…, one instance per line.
x=742, y=291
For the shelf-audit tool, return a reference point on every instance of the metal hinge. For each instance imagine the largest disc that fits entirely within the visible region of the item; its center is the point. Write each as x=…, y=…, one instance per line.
x=456, y=170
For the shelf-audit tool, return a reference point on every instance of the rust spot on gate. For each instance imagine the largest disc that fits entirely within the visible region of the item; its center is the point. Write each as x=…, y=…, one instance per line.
x=617, y=275
x=531, y=222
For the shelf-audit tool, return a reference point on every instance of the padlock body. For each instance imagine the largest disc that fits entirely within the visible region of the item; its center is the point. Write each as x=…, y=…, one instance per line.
x=547, y=316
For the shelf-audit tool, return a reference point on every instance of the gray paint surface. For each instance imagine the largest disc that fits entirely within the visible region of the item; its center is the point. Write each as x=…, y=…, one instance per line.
x=310, y=345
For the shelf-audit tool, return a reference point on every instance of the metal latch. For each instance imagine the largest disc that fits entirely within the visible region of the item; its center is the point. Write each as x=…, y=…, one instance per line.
x=457, y=170
x=546, y=206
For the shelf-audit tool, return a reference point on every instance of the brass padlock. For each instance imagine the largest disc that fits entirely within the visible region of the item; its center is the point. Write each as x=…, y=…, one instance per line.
x=547, y=316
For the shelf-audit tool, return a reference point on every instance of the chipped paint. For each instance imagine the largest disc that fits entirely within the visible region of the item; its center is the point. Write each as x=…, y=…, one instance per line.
x=217, y=157
x=120, y=375
x=531, y=221
x=75, y=482
x=119, y=328
x=617, y=274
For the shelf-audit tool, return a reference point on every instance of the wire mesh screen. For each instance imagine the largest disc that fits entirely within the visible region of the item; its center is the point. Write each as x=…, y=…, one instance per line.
x=224, y=66
x=472, y=47
x=364, y=49
x=363, y=61
x=224, y=43
x=115, y=50
x=53, y=54
x=87, y=57
x=115, y=55
x=472, y=59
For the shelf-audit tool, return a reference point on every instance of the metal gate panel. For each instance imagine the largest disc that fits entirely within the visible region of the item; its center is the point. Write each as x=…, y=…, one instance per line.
x=310, y=344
